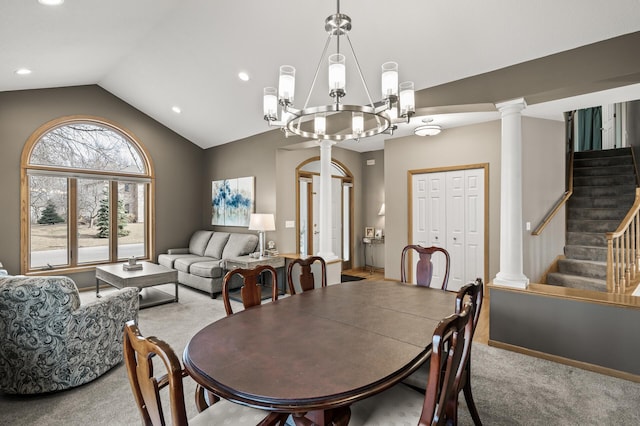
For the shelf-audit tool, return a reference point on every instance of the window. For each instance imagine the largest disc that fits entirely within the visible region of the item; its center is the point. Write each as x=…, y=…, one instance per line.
x=87, y=187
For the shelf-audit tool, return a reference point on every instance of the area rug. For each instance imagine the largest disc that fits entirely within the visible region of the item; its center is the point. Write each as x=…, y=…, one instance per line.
x=345, y=278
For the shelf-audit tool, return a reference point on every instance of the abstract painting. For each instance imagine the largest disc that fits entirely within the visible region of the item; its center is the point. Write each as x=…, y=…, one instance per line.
x=232, y=201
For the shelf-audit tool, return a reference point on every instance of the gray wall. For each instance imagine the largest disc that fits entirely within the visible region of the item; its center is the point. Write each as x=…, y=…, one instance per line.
x=543, y=182
x=601, y=334
x=178, y=163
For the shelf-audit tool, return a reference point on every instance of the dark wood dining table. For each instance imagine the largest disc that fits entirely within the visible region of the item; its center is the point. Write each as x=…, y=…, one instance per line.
x=319, y=350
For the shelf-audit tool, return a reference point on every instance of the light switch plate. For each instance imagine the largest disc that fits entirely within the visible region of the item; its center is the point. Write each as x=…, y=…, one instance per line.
x=290, y=224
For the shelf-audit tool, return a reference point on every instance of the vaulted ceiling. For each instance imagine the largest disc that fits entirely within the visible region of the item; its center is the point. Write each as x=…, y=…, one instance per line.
x=462, y=55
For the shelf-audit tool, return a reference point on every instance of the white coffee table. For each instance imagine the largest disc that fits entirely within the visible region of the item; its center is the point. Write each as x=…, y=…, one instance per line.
x=150, y=275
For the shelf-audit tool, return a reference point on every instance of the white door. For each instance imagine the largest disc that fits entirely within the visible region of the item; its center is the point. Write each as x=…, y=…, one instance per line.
x=474, y=225
x=455, y=225
x=608, y=126
x=448, y=212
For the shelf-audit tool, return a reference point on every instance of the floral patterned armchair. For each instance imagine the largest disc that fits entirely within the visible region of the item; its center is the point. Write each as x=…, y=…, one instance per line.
x=49, y=342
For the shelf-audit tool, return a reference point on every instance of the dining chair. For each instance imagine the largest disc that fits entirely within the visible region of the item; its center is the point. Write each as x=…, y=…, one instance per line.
x=450, y=350
x=251, y=290
x=470, y=293
x=306, y=280
x=424, y=267
x=139, y=354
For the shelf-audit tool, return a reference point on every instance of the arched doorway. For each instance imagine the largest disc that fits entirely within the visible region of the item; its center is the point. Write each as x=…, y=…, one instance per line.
x=307, y=185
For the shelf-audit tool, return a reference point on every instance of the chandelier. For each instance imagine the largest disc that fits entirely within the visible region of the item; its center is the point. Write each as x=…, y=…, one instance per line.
x=337, y=121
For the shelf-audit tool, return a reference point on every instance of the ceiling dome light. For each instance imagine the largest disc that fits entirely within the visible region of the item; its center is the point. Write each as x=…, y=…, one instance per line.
x=427, y=130
x=23, y=71
x=243, y=76
x=51, y=2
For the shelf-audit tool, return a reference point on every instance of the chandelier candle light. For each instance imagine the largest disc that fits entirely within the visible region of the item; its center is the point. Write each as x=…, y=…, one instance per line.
x=330, y=122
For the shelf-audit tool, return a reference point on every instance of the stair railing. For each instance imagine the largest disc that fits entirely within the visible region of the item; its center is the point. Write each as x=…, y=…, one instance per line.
x=623, y=251
x=561, y=202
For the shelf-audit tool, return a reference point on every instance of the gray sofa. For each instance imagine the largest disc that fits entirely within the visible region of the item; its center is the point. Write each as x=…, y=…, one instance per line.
x=202, y=264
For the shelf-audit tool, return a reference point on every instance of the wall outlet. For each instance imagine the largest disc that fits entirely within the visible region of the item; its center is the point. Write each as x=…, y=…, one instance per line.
x=528, y=226
x=289, y=223
x=371, y=162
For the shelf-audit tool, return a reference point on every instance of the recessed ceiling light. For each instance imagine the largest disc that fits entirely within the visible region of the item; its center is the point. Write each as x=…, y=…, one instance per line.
x=243, y=76
x=176, y=109
x=23, y=71
x=51, y=2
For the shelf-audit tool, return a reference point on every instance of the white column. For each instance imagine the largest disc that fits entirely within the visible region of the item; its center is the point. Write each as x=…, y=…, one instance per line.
x=325, y=249
x=511, y=274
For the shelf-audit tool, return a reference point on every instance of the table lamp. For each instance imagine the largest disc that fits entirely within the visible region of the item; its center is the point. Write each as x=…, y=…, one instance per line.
x=261, y=222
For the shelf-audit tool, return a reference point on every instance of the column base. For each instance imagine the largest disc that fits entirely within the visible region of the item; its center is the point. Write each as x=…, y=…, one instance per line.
x=511, y=280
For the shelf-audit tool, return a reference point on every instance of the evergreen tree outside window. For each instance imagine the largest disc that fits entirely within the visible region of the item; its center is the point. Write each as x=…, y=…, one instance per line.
x=78, y=175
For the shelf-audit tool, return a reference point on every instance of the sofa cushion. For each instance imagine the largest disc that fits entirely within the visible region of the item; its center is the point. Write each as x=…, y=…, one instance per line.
x=184, y=263
x=239, y=245
x=198, y=242
x=216, y=245
x=209, y=269
x=169, y=259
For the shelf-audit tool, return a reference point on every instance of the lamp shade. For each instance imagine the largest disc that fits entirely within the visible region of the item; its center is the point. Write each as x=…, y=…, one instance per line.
x=381, y=212
x=262, y=222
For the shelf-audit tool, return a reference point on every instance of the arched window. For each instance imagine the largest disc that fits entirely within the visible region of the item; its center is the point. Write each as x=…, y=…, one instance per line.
x=86, y=192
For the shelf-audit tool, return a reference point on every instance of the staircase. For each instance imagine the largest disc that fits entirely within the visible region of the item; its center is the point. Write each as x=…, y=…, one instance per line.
x=604, y=184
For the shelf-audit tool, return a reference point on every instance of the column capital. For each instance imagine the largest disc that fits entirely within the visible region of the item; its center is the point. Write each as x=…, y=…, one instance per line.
x=514, y=105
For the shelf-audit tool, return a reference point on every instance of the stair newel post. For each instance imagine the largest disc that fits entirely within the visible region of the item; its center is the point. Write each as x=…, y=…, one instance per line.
x=610, y=283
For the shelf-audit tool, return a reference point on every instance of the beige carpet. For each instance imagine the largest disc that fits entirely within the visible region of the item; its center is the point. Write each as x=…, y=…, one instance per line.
x=510, y=389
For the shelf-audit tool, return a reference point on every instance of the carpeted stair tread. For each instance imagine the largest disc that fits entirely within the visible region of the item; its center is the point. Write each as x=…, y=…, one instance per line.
x=593, y=239
x=618, y=152
x=621, y=201
x=587, y=225
x=598, y=254
x=604, y=191
x=585, y=268
x=609, y=170
x=597, y=213
x=575, y=281
x=603, y=180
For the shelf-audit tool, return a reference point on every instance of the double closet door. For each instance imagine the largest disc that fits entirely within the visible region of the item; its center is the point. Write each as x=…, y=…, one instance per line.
x=448, y=211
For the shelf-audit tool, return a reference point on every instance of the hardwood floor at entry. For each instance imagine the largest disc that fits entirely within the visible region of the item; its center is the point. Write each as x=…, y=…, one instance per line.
x=482, y=330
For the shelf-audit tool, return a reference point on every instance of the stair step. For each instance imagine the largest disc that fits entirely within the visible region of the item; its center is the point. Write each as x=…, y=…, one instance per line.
x=618, y=152
x=594, y=239
x=604, y=191
x=604, y=180
x=584, y=268
x=621, y=201
x=586, y=225
x=598, y=254
x=575, y=281
x=597, y=214
x=603, y=162
x=609, y=170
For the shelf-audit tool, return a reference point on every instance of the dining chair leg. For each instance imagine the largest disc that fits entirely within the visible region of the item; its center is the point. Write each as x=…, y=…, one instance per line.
x=468, y=397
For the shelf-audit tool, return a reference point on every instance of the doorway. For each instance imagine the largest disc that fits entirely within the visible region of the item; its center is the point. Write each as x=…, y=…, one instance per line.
x=308, y=201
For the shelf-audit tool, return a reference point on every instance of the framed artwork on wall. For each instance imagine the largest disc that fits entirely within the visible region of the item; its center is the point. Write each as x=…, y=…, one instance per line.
x=379, y=234
x=232, y=201
x=368, y=232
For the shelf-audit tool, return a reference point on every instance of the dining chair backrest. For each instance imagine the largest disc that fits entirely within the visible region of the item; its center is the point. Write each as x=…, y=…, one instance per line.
x=306, y=279
x=450, y=351
x=138, y=355
x=472, y=293
x=251, y=290
x=424, y=267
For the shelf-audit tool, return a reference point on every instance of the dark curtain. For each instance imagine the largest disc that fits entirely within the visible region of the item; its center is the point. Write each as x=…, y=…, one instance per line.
x=590, y=129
